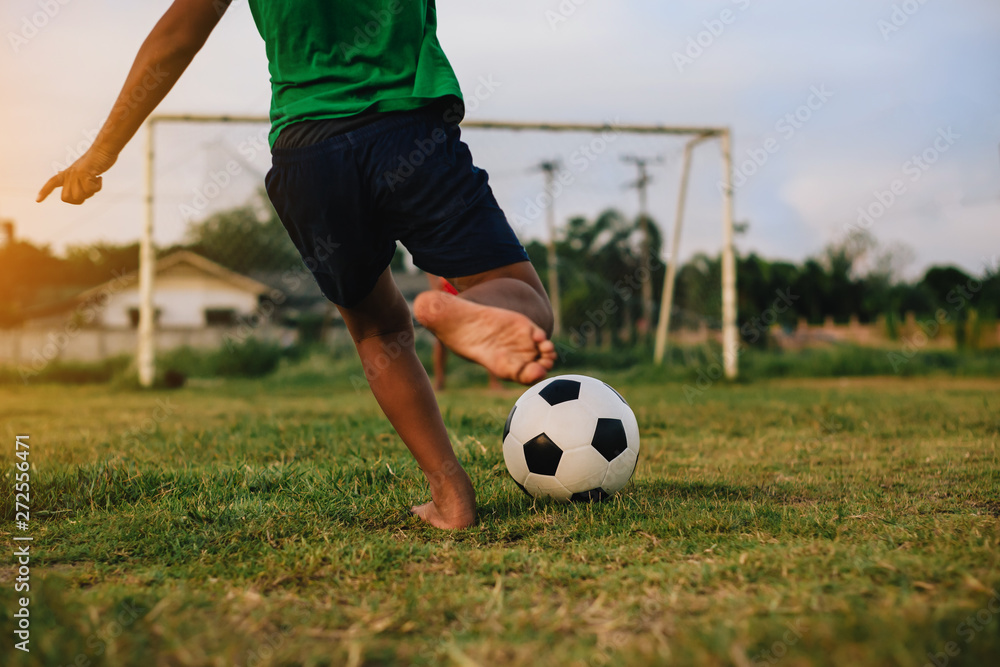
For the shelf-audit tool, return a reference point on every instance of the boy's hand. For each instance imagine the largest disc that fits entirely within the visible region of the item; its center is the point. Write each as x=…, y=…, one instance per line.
x=168, y=49
x=82, y=179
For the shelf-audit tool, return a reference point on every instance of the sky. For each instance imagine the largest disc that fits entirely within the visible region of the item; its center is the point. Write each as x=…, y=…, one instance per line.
x=871, y=114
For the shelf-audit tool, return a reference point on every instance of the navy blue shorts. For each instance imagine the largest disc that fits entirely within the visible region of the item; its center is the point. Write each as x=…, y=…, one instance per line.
x=345, y=201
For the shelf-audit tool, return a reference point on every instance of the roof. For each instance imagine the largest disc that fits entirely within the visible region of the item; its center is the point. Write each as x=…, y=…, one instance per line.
x=184, y=257
x=177, y=258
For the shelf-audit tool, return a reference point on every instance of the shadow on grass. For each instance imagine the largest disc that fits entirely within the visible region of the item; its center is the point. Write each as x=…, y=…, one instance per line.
x=770, y=493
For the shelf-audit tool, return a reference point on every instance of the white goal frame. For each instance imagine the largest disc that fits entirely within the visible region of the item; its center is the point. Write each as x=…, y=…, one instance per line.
x=146, y=358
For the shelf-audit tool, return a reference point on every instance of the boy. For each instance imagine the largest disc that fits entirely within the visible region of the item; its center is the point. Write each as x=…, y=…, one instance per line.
x=366, y=150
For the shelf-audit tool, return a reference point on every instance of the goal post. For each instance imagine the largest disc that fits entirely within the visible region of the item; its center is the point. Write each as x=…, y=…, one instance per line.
x=145, y=356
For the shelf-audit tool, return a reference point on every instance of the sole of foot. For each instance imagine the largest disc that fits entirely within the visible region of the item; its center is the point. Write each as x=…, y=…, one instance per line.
x=505, y=342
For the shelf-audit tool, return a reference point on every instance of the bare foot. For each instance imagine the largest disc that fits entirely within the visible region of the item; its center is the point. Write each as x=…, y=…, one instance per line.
x=505, y=342
x=454, y=504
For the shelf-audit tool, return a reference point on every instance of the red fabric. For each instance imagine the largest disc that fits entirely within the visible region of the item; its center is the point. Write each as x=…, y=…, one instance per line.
x=447, y=287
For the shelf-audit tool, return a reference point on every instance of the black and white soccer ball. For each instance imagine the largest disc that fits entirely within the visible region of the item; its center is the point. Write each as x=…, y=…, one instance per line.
x=571, y=437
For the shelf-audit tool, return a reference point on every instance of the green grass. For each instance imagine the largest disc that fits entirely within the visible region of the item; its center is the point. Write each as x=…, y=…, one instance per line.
x=338, y=365
x=264, y=522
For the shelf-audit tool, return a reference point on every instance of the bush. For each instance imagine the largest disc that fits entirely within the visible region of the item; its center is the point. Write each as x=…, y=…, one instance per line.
x=685, y=364
x=251, y=358
x=616, y=358
x=310, y=327
x=66, y=372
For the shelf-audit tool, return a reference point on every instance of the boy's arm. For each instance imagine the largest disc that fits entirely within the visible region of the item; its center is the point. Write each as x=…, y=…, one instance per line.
x=163, y=57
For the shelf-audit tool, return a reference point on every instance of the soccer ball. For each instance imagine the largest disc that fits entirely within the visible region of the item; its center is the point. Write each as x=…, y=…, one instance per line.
x=571, y=438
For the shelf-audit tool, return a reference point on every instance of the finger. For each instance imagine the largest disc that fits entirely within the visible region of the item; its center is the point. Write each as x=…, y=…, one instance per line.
x=72, y=193
x=92, y=185
x=80, y=192
x=50, y=185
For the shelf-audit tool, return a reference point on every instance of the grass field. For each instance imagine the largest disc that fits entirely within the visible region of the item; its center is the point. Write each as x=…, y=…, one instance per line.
x=264, y=522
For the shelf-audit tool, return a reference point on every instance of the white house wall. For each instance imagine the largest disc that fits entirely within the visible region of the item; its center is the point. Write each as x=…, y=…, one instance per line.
x=181, y=300
x=36, y=348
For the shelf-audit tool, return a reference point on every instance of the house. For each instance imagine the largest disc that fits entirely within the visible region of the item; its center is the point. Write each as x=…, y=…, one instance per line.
x=190, y=292
x=196, y=302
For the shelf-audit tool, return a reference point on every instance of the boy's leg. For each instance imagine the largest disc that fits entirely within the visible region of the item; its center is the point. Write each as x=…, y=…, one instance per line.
x=440, y=356
x=501, y=319
x=382, y=329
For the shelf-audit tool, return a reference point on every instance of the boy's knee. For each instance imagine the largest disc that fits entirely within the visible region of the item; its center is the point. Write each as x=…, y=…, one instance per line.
x=400, y=333
x=384, y=320
x=379, y=350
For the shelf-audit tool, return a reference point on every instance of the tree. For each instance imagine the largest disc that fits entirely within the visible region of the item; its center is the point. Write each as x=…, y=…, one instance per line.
x=949, y=288
x=25, y=271
x=602, y=269
x=96, y=263
x=246, y=238
x=698, y=291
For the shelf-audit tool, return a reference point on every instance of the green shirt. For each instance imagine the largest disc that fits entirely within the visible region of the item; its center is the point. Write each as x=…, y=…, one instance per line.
x=337, y=58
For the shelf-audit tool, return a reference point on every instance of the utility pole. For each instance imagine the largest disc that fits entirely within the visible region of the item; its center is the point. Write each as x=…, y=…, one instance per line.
x=146, y=354
x=550, y=167
x=641, y=184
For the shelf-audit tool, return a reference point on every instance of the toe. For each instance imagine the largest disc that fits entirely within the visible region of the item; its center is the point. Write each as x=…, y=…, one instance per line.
x=532, y=373
x=546, y=348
